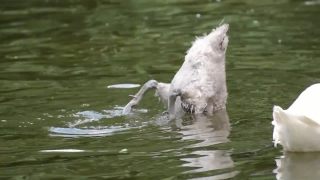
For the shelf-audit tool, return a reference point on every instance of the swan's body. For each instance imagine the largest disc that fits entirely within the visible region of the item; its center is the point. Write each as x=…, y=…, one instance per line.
x=297, y=129
x=201, y=80
x=200, y=84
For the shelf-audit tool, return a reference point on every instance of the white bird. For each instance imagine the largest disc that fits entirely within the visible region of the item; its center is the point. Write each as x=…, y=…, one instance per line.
x=297, y=129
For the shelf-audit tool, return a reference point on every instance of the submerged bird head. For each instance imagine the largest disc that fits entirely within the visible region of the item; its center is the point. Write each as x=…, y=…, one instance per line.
x=193, y=102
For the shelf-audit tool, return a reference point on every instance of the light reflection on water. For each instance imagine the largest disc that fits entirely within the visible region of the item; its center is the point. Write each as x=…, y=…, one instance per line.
x=210, y=131
x=92, y=131
x=298, y=166
x=74, y=132
x=63, y=150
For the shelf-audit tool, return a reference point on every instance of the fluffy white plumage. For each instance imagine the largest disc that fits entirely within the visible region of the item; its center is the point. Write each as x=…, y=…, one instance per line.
x=297, y=129
x=201, y=80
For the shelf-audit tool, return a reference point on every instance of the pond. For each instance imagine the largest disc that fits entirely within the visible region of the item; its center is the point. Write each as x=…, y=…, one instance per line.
x=59, y=119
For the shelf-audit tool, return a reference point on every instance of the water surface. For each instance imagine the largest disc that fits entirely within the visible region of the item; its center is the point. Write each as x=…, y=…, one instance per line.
x=59, y=119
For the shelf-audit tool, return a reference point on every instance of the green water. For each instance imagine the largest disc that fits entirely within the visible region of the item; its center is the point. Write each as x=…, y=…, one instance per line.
x=57, y=58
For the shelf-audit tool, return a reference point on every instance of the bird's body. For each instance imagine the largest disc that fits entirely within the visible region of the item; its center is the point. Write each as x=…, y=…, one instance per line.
x=297, y=129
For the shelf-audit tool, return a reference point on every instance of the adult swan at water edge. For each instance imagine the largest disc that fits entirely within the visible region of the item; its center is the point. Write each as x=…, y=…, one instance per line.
x=297, y=129
x=200, y=84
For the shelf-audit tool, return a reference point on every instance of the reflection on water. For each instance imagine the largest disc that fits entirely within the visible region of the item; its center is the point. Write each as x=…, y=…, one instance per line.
x=89, y=116
x=63, y=150
x=210, y=161
x=210, y=131
x=298, y=166
x=92, y=131
x=74, y=132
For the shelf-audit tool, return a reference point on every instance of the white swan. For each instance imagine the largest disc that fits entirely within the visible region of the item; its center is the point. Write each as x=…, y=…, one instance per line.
x=297, y=129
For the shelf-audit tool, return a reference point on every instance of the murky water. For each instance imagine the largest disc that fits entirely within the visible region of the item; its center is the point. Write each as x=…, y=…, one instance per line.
x=59, y=119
